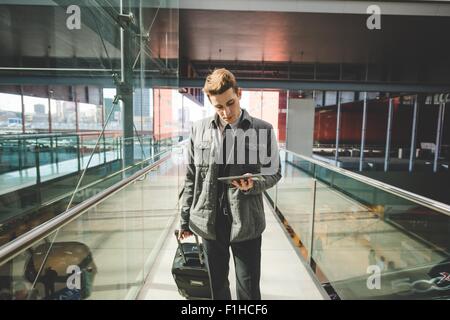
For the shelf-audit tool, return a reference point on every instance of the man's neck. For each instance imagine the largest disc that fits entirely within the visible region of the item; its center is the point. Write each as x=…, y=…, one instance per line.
x=232, y=125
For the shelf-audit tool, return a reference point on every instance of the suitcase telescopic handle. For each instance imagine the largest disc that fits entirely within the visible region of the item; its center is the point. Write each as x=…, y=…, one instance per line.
x=177, y=232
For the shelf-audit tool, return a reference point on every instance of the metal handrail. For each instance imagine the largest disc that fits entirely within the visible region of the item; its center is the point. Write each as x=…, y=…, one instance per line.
x=421, y=200
x=15, y=247
x=56, y=135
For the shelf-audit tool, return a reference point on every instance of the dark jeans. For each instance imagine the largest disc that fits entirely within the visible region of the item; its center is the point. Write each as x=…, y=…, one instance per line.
x=247, y=263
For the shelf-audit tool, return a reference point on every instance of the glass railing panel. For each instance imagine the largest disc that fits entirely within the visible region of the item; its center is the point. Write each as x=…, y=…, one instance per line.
x=294, y=196
x=27, y=207
x=367, y=242
x=13, y=155
x=19, y=153
x=101, y=173
x=373, y=253
x=363, y=232
x=55, y=164
x=272, y=192
x=65, y=148
x=113, y=244
x=182, y=166
x=106, y=168
x=18, y=277
x=162, y=206
x=23, y=152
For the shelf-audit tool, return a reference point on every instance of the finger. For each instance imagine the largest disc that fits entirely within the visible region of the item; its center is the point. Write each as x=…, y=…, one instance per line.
x=235, y=183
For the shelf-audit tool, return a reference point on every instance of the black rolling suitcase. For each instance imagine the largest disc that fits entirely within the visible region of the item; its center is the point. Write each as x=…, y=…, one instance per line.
x=190, y=271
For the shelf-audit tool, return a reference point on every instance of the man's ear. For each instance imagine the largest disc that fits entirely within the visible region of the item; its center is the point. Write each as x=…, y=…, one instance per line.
x=239, y=93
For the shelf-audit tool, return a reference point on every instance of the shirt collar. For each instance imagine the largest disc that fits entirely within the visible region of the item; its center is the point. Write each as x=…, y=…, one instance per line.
x=243, y=117
x=232, y=125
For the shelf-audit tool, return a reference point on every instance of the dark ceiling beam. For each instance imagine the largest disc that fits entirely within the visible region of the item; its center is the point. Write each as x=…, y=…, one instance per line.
x=94, y=80
x=100, y=79
x=329, y=86
x=172, y=82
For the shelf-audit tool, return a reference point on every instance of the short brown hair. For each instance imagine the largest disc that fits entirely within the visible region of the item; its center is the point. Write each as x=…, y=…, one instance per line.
x=219, y=81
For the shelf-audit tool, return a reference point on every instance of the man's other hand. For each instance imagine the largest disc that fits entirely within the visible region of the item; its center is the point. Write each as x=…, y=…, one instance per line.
x=243, y=184
x=183, y=234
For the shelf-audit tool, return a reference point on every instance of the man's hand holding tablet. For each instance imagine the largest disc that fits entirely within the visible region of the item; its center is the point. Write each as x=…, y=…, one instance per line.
x=244, y=182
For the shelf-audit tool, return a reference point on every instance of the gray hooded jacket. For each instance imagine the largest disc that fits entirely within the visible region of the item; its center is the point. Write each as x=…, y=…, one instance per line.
x=199, y=201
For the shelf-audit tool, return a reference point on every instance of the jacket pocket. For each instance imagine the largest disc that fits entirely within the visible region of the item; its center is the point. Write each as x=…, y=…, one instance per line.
x=202, y=151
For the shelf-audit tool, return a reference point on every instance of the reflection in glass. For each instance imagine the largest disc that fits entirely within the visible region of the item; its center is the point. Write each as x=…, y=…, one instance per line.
x=362, y=232
x=114, y=243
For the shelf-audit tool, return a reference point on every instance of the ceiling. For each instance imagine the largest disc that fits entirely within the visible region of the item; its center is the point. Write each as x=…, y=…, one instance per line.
x=414, y=46
x=253, y=44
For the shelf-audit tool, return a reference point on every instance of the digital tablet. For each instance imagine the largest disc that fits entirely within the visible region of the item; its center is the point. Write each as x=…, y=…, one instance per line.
x=229, y=180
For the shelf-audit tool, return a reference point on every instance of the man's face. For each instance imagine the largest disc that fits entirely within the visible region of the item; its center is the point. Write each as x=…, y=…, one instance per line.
x=227, y=105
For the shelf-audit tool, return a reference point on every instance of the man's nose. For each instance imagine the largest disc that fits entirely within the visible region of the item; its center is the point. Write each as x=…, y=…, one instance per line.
x=228, y=112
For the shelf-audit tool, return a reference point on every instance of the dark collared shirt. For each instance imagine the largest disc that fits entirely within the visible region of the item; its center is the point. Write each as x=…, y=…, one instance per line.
x=221, y=124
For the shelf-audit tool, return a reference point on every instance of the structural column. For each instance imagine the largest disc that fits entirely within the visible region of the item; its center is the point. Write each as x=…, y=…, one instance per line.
x=127, y=87
x=412, y=153
x=440, y=123
x=23, y=108
x=75, y=99
x=388, y=137
x=363, y=133
x=49, y=110
x=338, y=127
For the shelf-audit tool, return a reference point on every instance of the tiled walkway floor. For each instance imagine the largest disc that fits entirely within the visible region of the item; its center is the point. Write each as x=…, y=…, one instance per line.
x=283, y=274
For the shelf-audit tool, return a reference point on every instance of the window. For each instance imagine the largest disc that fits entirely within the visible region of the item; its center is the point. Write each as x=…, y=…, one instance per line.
x=10, y=113
x=36, y=114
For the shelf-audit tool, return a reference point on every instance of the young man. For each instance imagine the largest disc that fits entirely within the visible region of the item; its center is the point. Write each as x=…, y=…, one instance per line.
x=231, y=143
